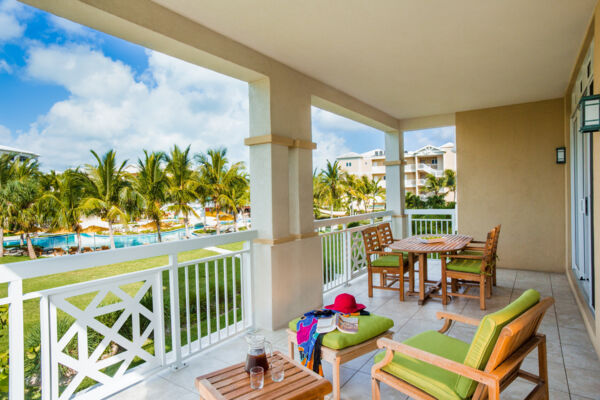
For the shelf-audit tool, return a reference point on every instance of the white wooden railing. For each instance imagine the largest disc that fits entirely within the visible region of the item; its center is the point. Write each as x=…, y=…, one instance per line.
x=99, y=336
x=431, y=222
x=343, y=249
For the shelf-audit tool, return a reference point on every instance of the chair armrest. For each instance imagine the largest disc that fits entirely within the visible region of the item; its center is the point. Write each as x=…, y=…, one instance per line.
x=383, y=253
x=478, y=241
x=478, y=248
x=463, y=256
x=430, y=358
x=450, y=317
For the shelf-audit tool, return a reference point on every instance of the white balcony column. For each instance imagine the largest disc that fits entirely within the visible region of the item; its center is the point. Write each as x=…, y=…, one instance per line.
x=394, y=155
x=287, y=278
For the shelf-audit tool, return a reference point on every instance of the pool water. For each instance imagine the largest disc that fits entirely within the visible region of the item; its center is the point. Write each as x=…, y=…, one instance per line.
x=92, y=240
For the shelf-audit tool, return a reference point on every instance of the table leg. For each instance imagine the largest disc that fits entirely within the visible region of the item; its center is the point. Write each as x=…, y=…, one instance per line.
x=422, y=268
x=411, y=272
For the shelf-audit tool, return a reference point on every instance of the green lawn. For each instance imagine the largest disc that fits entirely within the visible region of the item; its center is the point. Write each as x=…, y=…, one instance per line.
x=233, y=246
x=12, y=259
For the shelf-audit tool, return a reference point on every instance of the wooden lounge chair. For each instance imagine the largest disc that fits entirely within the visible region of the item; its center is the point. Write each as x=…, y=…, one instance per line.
x=466, y=269
x=432, y=365
x=386, y=238
x=383, y=263
x=477, y=247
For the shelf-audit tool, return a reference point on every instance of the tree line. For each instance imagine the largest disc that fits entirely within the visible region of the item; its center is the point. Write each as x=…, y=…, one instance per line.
x=334, y=189
x=32, y=201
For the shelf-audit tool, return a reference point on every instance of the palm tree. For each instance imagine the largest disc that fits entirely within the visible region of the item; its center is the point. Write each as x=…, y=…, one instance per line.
x=235, y=198
x=5, y=176
x=450, y=182
x=65, y=198
x=24, y=209
x=182, y=183
x=331, y=178
x=151, y=184
x=106, y=188
x=203, y=194
x=12, y=168
x=374, y=190
x=413, y=201
x=220, y=177
x=317, y=194
x=352, y=187
x=434, y=185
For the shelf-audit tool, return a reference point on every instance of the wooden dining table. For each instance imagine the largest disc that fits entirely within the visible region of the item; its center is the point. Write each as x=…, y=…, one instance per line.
x=414, y=247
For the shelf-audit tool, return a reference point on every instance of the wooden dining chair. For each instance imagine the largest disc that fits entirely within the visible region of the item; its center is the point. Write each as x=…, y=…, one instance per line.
x=477, y=247
x=467, y=270
x=386, y=238
x=432, y=365
x=391, y=267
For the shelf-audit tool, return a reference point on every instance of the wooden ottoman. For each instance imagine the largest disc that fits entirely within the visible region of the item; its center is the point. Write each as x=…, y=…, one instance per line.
x=341, y=356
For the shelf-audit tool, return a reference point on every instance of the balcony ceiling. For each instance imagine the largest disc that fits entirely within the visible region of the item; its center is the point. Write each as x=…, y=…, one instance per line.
x=413, y=58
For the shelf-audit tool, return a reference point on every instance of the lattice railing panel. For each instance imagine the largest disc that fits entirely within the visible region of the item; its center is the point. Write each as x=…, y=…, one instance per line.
x=113, y=334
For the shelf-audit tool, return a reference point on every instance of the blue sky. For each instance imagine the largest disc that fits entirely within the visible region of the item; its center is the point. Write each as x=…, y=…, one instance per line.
x=67, y=89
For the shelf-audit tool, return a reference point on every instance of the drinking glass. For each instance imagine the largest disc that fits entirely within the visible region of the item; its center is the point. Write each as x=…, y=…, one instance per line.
x=257, y=377
x=277, y=370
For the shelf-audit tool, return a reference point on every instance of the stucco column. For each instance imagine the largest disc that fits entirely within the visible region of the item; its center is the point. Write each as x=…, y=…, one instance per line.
x=287, y=278
x=394, y=171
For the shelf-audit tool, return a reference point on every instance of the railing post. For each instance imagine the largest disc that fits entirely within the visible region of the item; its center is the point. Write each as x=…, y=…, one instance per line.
x=45, y=348
x=158, y=305
x=248, y=279
x=454, y=227
x=16, y=351
x=175, y=322
x=347, y=254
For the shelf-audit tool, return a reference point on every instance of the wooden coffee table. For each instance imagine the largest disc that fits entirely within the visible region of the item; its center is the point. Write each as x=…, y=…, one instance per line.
x=233, y=382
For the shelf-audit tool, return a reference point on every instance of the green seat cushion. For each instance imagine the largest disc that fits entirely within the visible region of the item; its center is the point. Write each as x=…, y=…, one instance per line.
x=472, y=252
x=464, y=265
x=438, y=382
x=369, y=326
x=487, y=334
x=387, y=261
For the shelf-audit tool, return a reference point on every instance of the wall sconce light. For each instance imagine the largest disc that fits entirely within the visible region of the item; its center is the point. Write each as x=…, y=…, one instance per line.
x=590, y=113
x=561, y=155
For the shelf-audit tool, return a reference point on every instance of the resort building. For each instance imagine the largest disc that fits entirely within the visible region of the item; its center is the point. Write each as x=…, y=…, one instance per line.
x=370, y=164
x=23, y=154
x=509, y=75
x=425, y=161
x=418, y=164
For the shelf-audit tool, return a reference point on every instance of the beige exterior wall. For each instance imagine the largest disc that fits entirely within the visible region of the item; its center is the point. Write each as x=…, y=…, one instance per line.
x=508, y=176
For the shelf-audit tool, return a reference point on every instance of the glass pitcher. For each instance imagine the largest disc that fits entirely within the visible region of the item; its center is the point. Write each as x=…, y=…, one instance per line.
x=257, y=352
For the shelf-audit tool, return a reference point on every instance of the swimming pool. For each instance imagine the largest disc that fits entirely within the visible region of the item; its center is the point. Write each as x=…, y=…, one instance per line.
x=94, y=240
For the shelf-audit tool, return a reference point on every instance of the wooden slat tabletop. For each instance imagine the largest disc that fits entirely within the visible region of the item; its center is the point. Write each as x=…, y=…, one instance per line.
x=412, y=244
x=234, y=383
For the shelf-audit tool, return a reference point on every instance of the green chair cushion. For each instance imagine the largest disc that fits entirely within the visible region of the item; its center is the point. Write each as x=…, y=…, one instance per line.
x=487, y=334
x=369, y=326
x=464, y=265
x=472, y=252
x=438, y=382
x=387, y=261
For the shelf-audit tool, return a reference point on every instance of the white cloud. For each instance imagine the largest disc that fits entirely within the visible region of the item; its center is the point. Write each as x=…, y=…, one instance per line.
x=327, y=120
x=329, y=146
x=69, y=27
x=4, y=135
x=4, y=67
x=177, y=103
x=10, y=28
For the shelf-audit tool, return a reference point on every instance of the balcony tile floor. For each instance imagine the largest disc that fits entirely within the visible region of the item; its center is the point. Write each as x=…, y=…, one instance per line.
x=573, y=365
